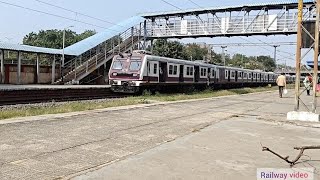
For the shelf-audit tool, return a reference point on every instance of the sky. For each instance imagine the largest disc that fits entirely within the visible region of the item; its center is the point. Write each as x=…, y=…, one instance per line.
x=17, y=22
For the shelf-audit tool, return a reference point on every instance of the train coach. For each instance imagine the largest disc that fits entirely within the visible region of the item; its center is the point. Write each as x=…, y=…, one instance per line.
x=132, y=73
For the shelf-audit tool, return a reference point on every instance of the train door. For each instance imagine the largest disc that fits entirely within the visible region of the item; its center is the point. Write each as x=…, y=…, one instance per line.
x=196, y=74
x=236, y=78
x=163, y=72
x=181, y=79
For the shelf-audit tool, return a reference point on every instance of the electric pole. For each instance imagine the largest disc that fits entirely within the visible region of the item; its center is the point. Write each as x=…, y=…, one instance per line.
x=275, y=54
x=223, y=55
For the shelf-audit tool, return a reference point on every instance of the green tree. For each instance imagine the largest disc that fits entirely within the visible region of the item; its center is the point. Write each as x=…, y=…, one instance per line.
x=165, y=48
x=53, y=38
x=268, y=63
x=195, y=52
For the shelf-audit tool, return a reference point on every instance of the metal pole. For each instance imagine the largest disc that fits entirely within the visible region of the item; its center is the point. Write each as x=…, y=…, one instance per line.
x=145, y=35
x=2, y=66
x=316, y=56
x=62, y=63
x=53, y=70
x=275, y=54
x=223, y=55
x=298, y=55
x=38, y=68
x=19, y=68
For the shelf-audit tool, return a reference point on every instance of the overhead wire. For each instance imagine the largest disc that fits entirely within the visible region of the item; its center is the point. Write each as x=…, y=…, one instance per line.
x=55, y=15
x=78, y=13
x=272, y=45
x=267, y=49
x=171, y=4
x=194, y=3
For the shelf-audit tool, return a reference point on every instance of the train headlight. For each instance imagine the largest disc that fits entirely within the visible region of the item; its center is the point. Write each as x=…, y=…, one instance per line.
x=135, y=75
x=114, y=74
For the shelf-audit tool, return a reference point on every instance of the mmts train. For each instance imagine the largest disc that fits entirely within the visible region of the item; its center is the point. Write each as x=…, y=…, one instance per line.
x=132, y=73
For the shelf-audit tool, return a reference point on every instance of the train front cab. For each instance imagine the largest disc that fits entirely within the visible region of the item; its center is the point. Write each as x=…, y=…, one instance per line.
x=125, y=74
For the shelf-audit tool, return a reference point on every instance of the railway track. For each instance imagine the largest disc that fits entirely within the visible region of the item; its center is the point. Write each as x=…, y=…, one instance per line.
x=28, y=96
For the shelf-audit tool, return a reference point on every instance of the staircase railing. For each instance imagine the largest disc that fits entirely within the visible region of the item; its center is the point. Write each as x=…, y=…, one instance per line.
x=81, y=66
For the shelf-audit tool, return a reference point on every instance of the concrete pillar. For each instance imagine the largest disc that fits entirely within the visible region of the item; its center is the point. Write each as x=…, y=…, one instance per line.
x=2, y=74
x=19, y=68
x=53, y=76
x=38, y=68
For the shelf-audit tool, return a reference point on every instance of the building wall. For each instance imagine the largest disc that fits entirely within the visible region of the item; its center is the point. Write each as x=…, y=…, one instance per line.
x=28, y=74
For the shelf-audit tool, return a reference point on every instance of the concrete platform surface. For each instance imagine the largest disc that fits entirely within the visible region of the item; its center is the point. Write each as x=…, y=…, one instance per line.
x=217, y=138
x=7, y=87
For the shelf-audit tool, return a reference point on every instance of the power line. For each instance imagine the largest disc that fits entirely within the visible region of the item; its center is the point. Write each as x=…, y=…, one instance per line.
x=171, y=4
x=272, y=46
x=194, y=3
x=76, y=12
x=55, y=15
x=268, y=49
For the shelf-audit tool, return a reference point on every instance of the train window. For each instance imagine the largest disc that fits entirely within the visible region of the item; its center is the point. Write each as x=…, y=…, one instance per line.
x=254, y=76
x=155, y=68
x=213, y=73
x=117, y=65
x=245, y=75
x=135, y=65
x=233, y=74
x=191, y=71
x=170, y=69
x=203, y=72
x=226, y=74
x=240, y=74
x=175, y=70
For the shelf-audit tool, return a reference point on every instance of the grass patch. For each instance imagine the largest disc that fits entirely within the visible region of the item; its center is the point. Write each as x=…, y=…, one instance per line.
x=57, y=108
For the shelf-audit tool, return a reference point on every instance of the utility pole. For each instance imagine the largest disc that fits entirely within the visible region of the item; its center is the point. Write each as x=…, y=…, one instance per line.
x=316, y=56
x=223, y=55
x=298, y=55
x=275, y=54
x=63, y=46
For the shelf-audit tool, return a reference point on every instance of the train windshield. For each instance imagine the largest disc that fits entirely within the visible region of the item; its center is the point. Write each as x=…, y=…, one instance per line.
x=135, y=65
x=117, y=65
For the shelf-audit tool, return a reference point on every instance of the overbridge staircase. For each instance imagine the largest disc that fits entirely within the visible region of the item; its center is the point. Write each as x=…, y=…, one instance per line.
x=80, y=67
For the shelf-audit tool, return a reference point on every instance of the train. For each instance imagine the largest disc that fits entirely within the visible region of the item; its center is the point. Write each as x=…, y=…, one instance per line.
x=139, y=70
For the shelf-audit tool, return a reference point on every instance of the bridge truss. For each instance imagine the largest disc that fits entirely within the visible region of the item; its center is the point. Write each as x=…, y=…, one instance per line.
x=264, y=19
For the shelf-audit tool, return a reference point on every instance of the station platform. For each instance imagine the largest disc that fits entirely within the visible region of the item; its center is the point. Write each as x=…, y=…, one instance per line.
x=8, y=87
x=214, y=138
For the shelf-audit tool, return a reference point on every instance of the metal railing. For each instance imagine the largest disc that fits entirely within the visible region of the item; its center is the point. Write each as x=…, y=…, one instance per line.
x=81, y=66
x=215, y=26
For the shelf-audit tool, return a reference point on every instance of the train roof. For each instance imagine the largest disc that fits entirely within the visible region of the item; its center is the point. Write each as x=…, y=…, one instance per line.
x=186, y=62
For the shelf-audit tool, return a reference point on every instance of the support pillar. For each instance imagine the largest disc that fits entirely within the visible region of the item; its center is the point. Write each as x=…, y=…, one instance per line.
x=53, y=74
x=152, y=45
x=145, y=35
x=2, y=74
x=38, y=68
x=316, y=56
x=19, y=68
x=298, y=56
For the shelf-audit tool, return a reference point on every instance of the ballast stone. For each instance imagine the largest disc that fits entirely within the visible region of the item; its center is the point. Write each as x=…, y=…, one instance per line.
x=303, y=116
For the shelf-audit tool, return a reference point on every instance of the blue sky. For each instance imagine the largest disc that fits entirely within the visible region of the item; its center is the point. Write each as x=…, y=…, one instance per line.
x=18, y=22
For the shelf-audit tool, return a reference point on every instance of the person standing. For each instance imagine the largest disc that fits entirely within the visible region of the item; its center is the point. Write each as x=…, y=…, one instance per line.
x=308, y=83
x=282, y=83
